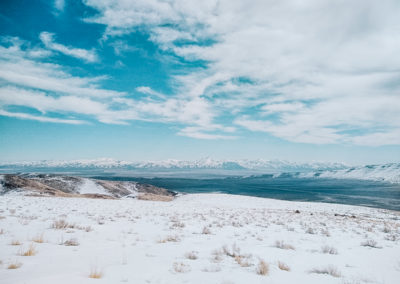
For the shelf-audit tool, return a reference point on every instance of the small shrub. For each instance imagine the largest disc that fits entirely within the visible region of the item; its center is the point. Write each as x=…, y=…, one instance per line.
x=216, y=256
x=191, y=255
x=283, y=245
x=71, y=243
x=326, y=232
x=181, y=267
x=262, y=268
x=392, y=237
x=95, y=273
x=177, y=224
x=330, y=270
x=62, y=224
x=211, y=269
x=206, y=231
x=283, y=266
x=310, y=231
x=14, y=265
x=370, y=243
x=84, y=228
x=231, y=253
x=167, y=239
x=329, y=250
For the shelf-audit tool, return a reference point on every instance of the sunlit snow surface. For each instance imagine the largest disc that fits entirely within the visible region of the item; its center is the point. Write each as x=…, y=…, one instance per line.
x=135, y=241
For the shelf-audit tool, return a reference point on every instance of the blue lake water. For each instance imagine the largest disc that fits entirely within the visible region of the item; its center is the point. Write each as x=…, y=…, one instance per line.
x=344, y=191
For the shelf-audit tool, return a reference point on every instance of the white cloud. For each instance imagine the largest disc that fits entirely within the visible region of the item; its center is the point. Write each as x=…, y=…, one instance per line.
x=40, y=118
x=26, y=81
x=59, y=5
x=19, y=67
x=199, y=133
x=326, y=69
x=86, y=55
x=149, y=91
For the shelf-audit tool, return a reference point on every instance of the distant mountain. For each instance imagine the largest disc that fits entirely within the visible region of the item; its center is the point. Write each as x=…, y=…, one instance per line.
x=205, y=168
x=106, y=163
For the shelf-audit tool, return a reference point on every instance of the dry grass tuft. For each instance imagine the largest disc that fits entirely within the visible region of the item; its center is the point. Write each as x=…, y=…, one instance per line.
x=262, y=268
x=155, y=197
x=15, y=243
x=283, y=245
x=38, y=239
x=329, y=250
x=95, y=273
x=330, y=270
x=243, y=260
x=31, y=251
x=283, y=266
x=14, y=265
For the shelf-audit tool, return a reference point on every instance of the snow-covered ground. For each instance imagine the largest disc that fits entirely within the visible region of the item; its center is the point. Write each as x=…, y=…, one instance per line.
x=198, y=238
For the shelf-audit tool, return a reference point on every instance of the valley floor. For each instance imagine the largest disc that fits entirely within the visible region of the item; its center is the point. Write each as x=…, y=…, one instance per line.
x=197, y=238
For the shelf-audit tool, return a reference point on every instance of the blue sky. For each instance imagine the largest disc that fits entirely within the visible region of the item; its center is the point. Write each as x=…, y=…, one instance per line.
x=147, y=80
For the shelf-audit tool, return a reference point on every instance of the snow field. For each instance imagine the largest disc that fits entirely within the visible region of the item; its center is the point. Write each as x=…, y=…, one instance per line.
x=198, y=238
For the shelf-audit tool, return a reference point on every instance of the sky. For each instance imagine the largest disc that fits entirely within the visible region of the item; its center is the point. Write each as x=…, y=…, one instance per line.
x=300, y=80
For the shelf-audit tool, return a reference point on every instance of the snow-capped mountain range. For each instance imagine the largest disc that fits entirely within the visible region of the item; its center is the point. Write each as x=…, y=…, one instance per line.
x=206, y=163
x=385, y=172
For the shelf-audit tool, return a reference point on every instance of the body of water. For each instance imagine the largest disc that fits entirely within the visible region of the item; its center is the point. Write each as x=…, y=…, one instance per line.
x=343, y=191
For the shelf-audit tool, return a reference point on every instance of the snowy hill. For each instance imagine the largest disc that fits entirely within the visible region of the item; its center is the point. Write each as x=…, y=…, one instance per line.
x=386, y=173
x=60, y=185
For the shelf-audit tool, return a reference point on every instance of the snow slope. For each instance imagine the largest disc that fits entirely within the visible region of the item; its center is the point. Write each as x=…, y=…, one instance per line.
x=90, y=187
x=210, y=238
